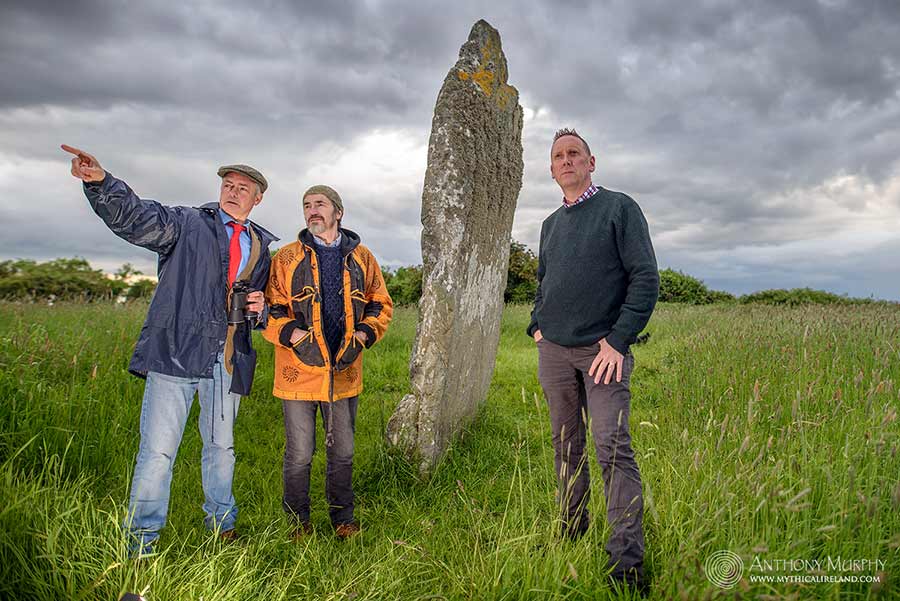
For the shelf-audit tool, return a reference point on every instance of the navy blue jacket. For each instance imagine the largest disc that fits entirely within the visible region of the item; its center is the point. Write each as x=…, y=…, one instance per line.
x=186, y=324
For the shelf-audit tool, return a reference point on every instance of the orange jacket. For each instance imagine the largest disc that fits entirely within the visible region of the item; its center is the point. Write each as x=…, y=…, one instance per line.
x=306, y=371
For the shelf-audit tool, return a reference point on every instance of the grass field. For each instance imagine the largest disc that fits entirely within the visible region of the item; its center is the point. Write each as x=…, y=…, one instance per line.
x=768, y=432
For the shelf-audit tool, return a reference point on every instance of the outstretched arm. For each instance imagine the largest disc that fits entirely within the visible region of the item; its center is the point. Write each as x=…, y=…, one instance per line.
x=142, y=222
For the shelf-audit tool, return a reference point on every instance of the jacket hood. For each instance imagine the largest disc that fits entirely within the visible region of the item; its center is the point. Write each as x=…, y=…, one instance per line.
x=267, y=236
x=349, y=240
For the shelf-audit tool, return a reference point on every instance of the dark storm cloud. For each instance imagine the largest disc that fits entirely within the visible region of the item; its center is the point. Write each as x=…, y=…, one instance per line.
x=778, y=99
x=215, y=59
x=727, y=121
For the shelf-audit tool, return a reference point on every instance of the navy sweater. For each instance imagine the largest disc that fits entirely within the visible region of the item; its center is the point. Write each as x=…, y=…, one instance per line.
x=331, y=278
x=597, y=274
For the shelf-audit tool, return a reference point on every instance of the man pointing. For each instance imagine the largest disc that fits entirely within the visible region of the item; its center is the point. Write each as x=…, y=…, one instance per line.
x=211, y=259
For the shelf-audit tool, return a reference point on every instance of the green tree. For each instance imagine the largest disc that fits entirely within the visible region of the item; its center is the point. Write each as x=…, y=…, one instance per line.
x=405, y=285
x=141, y=289
x=67, y=279
x=521, y=277
x=127, y=270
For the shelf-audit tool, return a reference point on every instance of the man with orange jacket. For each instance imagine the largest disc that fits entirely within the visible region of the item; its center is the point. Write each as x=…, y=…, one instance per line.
x=328, y=302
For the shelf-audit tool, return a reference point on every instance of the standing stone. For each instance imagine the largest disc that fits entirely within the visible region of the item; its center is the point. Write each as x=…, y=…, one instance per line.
x=471, y=185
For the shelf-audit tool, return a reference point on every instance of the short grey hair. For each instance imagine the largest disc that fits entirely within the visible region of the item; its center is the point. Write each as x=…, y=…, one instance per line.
x=566, y=131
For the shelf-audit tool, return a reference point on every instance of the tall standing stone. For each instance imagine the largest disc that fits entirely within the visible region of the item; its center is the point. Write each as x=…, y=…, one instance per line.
x=471, y=185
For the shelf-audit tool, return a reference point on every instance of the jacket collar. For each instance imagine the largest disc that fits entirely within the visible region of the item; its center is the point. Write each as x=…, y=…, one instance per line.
x=349, y=240
x=267, y=237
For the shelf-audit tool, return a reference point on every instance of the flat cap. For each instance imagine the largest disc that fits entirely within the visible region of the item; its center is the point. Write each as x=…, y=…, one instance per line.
x=248, y=171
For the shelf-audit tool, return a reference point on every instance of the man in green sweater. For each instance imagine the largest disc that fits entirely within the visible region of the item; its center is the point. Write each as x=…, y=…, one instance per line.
x=597, y=286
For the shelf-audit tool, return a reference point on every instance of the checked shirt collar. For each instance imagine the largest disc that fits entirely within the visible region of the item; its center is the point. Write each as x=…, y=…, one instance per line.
x=591, y=190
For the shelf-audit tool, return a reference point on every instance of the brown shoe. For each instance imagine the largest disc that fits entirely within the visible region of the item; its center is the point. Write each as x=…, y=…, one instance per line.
x=228, y=536
x=345, y=531
x=303, y=530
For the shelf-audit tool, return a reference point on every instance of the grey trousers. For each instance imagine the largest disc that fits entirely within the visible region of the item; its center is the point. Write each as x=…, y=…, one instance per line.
x=576, y=402
x=300, y=431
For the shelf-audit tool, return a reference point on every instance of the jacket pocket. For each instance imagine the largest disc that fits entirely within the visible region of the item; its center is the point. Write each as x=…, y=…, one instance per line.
x=358, y=302
x=308, y=351
x=351, y=352
x=243, y=367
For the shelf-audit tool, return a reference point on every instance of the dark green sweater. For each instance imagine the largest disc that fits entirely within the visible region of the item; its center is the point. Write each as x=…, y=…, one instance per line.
x=597, y=274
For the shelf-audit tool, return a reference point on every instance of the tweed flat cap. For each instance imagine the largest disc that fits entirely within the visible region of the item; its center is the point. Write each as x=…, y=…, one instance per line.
x=329, y=193
x=248, y=171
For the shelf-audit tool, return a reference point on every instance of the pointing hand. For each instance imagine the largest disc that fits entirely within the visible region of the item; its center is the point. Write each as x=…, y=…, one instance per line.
x=84, y=166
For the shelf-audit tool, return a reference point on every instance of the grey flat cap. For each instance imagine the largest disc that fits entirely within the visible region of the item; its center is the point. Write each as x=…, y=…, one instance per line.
x=248, y=171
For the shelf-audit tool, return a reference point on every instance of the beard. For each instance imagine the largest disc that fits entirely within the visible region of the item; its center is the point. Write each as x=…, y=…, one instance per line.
x=317, y=227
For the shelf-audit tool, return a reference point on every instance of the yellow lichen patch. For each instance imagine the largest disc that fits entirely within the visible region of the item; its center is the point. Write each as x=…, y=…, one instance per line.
x=485, y=75
x=485, y=79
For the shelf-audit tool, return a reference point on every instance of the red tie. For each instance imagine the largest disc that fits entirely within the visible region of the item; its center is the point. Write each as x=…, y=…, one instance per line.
x=234, y=251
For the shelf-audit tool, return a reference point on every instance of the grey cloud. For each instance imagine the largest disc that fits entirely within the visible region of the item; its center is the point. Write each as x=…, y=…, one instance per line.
x=860, y=274
x=716, y=117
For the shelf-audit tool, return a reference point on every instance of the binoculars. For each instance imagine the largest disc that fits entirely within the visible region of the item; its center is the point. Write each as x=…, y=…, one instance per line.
x=237, y=312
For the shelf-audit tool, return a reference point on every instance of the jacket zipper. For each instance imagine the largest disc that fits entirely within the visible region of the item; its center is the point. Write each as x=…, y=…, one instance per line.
x=329, y=434
x=332, y=359
x=327, y=348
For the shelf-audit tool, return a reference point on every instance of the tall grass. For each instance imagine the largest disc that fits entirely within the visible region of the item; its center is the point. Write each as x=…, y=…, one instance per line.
x=770, y=432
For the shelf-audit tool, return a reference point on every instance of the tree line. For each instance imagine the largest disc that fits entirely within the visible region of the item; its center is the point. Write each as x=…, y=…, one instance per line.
x=69, y=279
x=75, y=279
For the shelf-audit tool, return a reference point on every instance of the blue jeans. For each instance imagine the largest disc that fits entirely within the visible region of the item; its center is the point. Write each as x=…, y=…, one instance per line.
x=167, y=403
x=300, y=431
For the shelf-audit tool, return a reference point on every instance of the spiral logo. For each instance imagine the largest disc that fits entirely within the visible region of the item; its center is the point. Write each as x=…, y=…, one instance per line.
x=724, y=569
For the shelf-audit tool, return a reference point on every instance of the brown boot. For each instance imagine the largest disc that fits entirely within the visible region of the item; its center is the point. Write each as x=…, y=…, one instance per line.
x=345, y=531
x=303, y=530
x=228, y=536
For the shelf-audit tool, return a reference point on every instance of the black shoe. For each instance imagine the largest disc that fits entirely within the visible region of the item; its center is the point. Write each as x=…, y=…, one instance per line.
x=573, y=532
x=630, y=579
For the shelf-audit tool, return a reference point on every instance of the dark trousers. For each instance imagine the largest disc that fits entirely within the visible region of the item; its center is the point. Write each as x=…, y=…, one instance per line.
x=575, y=401
x=300, y=431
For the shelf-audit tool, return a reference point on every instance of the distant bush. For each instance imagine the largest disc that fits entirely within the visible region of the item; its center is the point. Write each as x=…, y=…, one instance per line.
x=404, y=285
x=677, y=287
x=521, y=277
x=720, y=296
x=137, y=288
x=800, y=296
x=140, y=289
x=63, y=279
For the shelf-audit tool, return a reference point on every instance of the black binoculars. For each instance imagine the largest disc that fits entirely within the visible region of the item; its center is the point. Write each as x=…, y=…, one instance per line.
x=237, y=312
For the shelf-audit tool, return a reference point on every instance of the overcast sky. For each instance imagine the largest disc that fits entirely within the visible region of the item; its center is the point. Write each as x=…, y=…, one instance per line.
x=761, y=139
